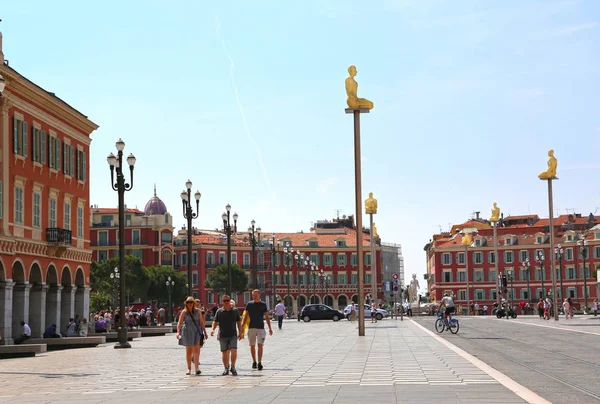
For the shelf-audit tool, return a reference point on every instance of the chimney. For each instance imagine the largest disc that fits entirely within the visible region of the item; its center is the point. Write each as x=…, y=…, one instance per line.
x=477, y=215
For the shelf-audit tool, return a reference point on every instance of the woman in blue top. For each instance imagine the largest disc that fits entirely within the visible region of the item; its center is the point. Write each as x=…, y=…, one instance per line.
x=191, y=333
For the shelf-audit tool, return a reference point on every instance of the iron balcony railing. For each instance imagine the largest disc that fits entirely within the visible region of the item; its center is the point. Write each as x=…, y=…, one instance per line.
x=58, y=236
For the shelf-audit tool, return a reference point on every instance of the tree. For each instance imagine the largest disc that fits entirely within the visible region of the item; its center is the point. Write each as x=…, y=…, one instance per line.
x=136, y=281
x=157, y=289
x=217, y=280
x=99, y=301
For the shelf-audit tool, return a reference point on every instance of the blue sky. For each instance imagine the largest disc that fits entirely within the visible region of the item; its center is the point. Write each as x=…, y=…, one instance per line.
x=247, y=100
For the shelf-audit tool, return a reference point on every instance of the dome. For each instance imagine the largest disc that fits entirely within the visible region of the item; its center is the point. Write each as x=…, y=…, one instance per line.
x=155, y=206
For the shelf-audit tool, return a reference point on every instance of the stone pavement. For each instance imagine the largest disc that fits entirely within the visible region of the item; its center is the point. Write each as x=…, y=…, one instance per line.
x=324, y=362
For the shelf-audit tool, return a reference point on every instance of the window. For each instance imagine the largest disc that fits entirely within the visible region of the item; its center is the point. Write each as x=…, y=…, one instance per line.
x=586, y=274
x=79, y=221
x=478, y=257
x=367, y=259
x=596, y=252
x=67, y=216
x=222, y=258
x=246, y=297
x=246, y=259
x=354, y=279
x=195, y=258
x=479, y=295
x=81, y=165
x=210, y=258
x=353, y=260
x=572, y=293
x=137, y=253
x=492, y=257
x=493, y=294
x=69, y=159
x=524, y=294
x=314, y=258
x=509, y=257
x=478, y=242
x=539, y=273
x=508, y=241
x=539, y=240
x=52, y=213
x=447, y=277
x=194, y=279
x=478, y=276
x=462, y=295
x=102, y=255
x=570, y=273
x=135, y=236
x=37, y=200
x=368, y=278
x=210, y=298
x=277, y=259
x=54, y=152
x=446, y=259
x=102, y=238
x=18, y=205
x=340, y=243
x=313, y=244
x=39, y=146
x=183, y=259
x=462, y=276
x=492, y=276
x=20, y=137
x=301, y=279
x=327, y=260
x=523, y=255
x=341, y=260
x=460, y=258
x=569, y=237
x=523, y=274
x=107, y=220
x=342, y=279
x=569, y=254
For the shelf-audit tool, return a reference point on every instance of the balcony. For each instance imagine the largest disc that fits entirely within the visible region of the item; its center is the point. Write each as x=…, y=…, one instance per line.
x=58, y=240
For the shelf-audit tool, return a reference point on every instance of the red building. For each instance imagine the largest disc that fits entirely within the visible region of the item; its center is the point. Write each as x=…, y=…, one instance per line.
x=44, y=243
x=148, y=234
x=520, y=240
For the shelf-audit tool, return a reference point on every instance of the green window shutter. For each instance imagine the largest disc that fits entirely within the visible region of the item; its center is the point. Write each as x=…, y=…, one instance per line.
x=15, y=135
x=72, y=162
x=65, y=158
x=34, y=151
x=57, y=152
x=51, y=145
x=84, y=165
x=78, y=165
x=43, y=147
x=25, y=139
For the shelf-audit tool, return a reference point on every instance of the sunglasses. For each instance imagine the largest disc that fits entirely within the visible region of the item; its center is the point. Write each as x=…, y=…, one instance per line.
x=227, y=300
x=189, y=302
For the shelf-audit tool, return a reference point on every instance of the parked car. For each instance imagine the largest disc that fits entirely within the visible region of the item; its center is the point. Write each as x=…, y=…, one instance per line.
x=320, y=312
x=380, y=312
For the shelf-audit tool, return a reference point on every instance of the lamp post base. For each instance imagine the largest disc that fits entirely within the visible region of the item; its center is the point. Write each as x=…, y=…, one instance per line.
x=122, y=332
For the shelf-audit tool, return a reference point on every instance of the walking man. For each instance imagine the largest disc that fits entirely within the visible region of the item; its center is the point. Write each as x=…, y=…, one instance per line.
x=280, y=313
x=228, y=318
x=256, y=331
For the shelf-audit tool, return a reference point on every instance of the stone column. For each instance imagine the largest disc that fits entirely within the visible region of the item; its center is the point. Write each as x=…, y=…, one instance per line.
x=20, y=307
x=37, y=310
x=82, y=302
x=67, y=306
x=6, y=299
x=53, y=303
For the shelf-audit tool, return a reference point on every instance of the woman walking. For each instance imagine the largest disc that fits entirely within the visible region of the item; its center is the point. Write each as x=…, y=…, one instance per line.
x=191, y=333
x=567, y=308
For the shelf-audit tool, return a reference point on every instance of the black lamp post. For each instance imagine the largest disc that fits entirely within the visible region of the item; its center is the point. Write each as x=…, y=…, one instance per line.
x=558, y=250
x=510, y=279
x=526, y=265
x=301, y=262
x=188, y=214
x=288, y=252
x=274, y=250
x=254, y=236
x=115, y=277
x=170, y=284
x=540, y=260
x=583, y=252
x=327, y=288
x=228, y=231
x=116, y=164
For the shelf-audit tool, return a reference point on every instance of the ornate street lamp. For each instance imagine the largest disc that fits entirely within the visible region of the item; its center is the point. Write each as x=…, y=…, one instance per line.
x=254, y=236
x=583, y=253
x=116, y=164
x=274, y=250
x=229, y=229
x=540, y=260
x=170, y=284
x=189, y=214
x=558, y=250
x=289, y=257
x=526, y=265
x=114, y=277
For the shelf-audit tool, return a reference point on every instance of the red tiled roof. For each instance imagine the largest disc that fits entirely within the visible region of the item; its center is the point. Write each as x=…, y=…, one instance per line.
x=521, y=217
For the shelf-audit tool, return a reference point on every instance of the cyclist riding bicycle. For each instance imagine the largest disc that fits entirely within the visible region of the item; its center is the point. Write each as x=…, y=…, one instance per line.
x=448, y=303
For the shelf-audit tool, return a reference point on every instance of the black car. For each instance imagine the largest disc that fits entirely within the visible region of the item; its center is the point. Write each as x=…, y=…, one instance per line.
x=320, y=312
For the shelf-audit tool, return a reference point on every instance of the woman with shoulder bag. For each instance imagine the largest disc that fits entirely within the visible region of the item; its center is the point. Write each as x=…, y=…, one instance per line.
x=191, y=333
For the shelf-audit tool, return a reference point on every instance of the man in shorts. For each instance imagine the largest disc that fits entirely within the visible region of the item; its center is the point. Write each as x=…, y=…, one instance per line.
x=227, y=318
x=448, y=303
x=256, y=331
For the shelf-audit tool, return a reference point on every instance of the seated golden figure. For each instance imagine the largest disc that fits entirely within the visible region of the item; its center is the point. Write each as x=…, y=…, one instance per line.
x=352, y=91
x=370, y=204
x=495, y=213
x=466, y=240
x=375, y=235
x=550, y=173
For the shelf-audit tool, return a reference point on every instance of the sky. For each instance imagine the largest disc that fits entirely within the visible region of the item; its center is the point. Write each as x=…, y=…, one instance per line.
x=246, y=99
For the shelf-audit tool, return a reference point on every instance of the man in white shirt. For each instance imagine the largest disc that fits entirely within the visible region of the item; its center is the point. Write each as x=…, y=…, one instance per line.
x=26, y=333
x=280, y=313
x=476, y=308
x=448, y=303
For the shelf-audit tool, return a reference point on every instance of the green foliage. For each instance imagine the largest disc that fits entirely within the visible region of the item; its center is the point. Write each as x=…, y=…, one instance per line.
x=137, y=280
x=217, y=279
x=157, y=289
x=99, y=301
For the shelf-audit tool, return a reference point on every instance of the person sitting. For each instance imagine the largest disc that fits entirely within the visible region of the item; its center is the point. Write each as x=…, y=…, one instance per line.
x=100, y=325
x=72, y=328
x=51, y=332
x=25, y=335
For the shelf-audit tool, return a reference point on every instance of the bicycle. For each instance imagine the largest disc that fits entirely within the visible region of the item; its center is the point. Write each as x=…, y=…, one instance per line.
x=441, y=325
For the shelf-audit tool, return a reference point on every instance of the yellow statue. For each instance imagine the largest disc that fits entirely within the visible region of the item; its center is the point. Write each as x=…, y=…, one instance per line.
x=370, y=204
x=550, y=173
x=375, y=235
x=466, y=240
x=495, y=213
x=352, y=91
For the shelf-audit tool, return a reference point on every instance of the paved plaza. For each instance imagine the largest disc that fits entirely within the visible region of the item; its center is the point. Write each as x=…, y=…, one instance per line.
x=324, y=362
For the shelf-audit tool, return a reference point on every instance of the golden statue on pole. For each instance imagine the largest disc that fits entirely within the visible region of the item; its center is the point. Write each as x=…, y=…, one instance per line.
x=370, y=204
x=550, y=173
x=375, y=231
x=466, y=240
x=495, y=214
x=352, y=91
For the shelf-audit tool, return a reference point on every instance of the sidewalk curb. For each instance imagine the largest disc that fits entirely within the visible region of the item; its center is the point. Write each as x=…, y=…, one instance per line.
x=504, y=380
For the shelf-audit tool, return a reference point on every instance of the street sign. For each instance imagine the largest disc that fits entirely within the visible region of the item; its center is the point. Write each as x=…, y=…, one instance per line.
x=395, y=282
x=395, y=276
x=387, y=286
x=395, y=288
